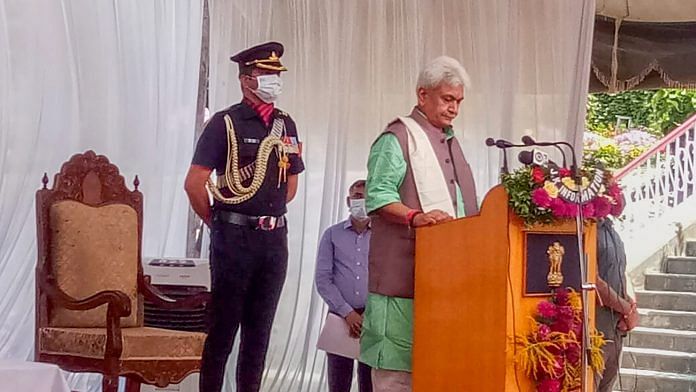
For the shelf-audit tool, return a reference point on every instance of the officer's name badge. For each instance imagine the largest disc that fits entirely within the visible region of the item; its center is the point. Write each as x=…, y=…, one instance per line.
x=291, y=145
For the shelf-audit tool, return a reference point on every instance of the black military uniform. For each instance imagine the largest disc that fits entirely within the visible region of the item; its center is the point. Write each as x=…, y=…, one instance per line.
x=248, y=240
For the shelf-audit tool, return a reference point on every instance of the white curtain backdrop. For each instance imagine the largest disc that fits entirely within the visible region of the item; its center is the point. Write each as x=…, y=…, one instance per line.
x=118, y=77
x=353, y=67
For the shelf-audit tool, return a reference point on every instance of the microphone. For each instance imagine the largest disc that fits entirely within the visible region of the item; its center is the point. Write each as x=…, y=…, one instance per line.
x=533, y=157
x=503, y=145
x=529, y=141
x=574, y=168
x=500, y=143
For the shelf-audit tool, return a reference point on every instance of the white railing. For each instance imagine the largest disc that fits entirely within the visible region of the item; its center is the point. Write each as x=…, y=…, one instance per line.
x=660, y=190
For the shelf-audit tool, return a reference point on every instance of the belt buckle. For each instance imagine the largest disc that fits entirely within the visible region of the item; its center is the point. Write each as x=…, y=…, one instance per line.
x=267, y=223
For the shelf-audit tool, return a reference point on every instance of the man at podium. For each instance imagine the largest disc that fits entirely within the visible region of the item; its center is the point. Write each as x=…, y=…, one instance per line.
x=417, y=176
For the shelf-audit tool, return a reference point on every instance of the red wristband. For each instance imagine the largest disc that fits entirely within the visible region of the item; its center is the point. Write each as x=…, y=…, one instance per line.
x=411, y=214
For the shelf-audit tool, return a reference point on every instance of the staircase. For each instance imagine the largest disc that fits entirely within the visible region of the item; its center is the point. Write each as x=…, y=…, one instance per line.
x=660, y=190
x=660, y=354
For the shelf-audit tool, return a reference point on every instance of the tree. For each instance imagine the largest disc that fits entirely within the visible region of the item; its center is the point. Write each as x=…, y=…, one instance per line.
x=659, y=111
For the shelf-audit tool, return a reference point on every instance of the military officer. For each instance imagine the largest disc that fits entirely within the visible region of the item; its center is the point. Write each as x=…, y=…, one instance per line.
x=256, y=155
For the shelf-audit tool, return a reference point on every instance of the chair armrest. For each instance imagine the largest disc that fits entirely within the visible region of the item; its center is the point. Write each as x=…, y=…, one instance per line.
x=118, y=305
x=118, y=301
x=154, y=295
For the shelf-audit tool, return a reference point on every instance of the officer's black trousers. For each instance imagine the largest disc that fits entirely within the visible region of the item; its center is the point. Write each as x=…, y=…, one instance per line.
x=248, y=269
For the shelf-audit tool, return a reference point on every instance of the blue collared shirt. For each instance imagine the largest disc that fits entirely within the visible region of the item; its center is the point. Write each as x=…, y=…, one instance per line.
x=341, y=275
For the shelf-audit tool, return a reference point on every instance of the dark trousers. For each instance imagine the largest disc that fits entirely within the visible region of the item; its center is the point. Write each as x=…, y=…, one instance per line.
x=340, y=371
x=612, y=364
x=247, y=269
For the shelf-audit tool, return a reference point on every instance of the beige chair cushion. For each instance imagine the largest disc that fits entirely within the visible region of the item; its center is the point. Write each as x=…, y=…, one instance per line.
x=93, y=249
x=138, y=343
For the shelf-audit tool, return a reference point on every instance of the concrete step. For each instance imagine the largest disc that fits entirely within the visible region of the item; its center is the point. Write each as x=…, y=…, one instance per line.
x=659, y=338
x=652, y=381
x=670, y=282
x=666, y=300
x=658, y=360
x=681, y=265
x=669, y=319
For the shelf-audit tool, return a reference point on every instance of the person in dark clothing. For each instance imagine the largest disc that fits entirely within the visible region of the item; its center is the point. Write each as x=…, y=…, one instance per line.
x=253, y=147
x=616, y=313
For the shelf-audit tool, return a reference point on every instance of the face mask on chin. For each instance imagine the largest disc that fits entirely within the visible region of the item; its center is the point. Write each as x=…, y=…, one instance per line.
x=358, y=210
x=269, y=87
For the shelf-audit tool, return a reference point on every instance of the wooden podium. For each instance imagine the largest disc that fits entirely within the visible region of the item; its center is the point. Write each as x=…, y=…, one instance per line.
x=478, y=282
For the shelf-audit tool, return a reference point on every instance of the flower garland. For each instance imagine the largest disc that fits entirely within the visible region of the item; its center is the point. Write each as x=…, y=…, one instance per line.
x=550, y=354
x=547, y=194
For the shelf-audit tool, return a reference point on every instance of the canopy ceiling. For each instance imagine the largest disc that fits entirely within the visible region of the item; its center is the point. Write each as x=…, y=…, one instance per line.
x=648, y=10
x=643, y=44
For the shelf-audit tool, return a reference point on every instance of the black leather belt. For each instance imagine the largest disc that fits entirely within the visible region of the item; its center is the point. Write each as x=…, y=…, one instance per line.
x=265, y=223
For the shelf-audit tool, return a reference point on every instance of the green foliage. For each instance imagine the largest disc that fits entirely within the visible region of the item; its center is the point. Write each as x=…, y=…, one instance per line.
x=519, y=185
x=670, y=107
x=609, y=156
x=658, y=110
x=603, y=108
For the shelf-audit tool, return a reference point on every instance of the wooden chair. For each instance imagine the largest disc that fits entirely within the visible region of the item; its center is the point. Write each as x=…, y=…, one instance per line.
x=90, y=285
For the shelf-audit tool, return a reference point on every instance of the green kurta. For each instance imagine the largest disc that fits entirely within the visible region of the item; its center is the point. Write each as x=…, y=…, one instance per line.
x=387, y=331
x=386, y=169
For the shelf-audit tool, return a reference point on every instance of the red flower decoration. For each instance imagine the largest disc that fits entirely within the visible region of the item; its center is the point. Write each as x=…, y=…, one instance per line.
x=562, y=209
x=588, y=210
x=547, y=310
x=563, y=172
x=602, y=206
x=577, y=330
x=543, y=332
x=614, y=191
x=617, y=209
x=564, y=320
x=549, y=385
x=558, y=366
x=561, y=297
x=566, y=313
x=541, y=198
x=538, y=175
x=561, y=326
x=558, y=322
x=573, y=352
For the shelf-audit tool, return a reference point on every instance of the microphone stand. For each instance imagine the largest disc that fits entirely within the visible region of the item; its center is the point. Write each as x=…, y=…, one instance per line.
x=503, y=145
x=585, y=286
x=504, y=170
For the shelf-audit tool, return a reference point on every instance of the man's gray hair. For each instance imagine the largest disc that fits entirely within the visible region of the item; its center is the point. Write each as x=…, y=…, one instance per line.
x=443, y=70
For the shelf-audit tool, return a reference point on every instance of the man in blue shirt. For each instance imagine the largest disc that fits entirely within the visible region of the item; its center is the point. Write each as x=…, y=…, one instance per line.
x=341, y=280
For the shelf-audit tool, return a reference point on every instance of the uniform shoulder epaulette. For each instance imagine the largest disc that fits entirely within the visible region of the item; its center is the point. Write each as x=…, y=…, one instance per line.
x=227, y=110
x=232, y=108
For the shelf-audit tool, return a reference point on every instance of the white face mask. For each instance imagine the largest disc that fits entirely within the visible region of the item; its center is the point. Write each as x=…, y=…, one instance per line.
x=358, y=210
x=270, y=87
